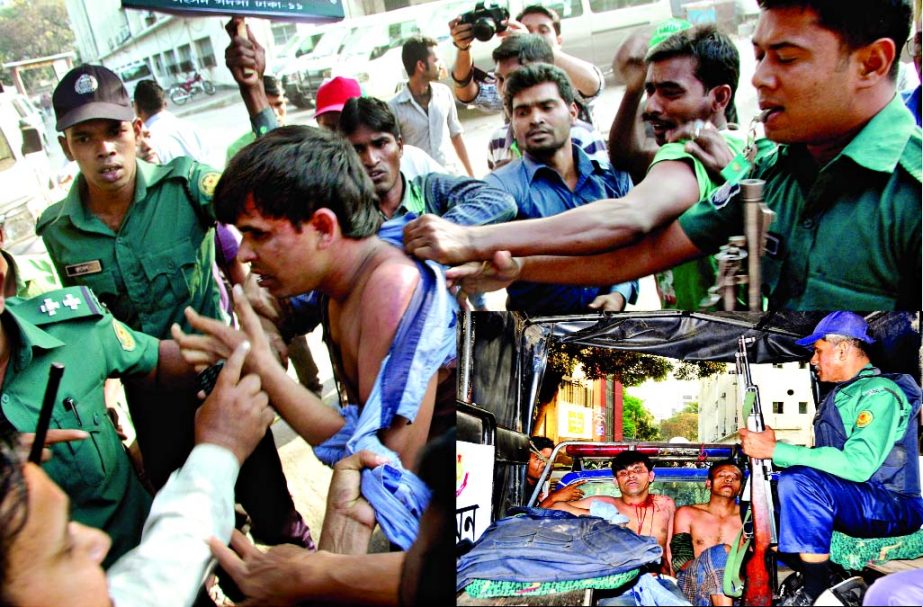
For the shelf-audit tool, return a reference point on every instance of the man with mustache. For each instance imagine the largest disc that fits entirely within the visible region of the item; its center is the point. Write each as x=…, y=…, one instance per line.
x=691, y=75
x=648, y=514
x=862, y=475
x=844, y=183
x=703, y=534
x=554, y=175
x=310, y=221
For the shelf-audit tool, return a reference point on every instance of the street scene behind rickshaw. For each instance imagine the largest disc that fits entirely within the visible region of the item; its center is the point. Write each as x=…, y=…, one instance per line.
x=548, y=422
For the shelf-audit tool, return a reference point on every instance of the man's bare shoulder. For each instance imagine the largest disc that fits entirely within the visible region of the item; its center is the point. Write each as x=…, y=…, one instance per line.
x=664, y=502
x=390, y=286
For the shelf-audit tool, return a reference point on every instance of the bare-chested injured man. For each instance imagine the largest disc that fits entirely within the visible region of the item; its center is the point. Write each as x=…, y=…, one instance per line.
x=703, y=534
x=647, y=514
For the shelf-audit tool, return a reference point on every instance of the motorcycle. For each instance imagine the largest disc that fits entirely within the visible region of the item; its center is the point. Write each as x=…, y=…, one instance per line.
x=194, y=84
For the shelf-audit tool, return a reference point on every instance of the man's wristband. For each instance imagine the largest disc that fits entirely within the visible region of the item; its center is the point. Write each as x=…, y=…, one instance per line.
x=461, y=48
x=464, y=81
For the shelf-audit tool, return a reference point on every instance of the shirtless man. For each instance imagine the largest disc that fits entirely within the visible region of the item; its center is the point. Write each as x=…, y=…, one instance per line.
x=703, y=534
x=647, y=514
x=309, y=218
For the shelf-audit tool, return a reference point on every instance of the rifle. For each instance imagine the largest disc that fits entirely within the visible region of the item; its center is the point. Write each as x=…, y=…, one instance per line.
x=757, y=588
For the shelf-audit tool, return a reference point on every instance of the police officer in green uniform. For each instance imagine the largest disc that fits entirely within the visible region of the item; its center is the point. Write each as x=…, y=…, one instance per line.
x=845, y=181
x=862, y=476
x=69, y=326
x=141, y=236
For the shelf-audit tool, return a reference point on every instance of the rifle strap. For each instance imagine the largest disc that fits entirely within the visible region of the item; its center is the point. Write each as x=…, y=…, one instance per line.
x=733, y=585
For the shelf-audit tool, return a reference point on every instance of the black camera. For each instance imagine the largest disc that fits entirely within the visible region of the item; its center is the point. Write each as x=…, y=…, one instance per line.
x=487, y=21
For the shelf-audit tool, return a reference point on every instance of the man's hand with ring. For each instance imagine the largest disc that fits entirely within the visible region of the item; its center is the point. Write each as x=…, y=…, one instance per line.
x=705, y=143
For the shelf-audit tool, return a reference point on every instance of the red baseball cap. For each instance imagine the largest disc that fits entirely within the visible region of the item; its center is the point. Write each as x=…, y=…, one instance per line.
x=333, y=94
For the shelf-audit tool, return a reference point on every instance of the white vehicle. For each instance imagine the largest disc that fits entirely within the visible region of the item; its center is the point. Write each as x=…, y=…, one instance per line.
x=25, y=176
x=301, y=77
x=133, y=73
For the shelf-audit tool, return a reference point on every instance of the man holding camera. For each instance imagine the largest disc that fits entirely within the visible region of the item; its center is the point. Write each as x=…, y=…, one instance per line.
x=482, y=90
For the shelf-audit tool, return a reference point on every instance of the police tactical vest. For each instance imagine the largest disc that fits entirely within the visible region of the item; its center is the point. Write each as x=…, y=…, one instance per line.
x=900, y=472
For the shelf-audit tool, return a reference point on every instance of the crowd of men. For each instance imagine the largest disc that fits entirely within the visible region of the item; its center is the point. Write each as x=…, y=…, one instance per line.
x=172, y=269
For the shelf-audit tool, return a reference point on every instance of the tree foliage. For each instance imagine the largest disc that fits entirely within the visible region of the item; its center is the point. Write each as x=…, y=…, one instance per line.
x=637, y=422
x=34, y=28
x=683, y=424
x=697, y=369
x=629, y=368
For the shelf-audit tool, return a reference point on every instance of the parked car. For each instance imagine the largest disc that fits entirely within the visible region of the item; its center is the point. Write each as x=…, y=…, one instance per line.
x=302, y=43
x=25, y=177
x=133, y=73
x=301, y=76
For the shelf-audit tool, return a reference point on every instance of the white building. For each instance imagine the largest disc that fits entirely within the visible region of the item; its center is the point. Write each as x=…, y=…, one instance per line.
x=170, y=46
x=785, y=395
x=173, y=46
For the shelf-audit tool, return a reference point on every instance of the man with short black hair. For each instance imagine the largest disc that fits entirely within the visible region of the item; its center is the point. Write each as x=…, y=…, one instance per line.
x=310, y=221
x=703, y=534
x=372, y=129
x=472, y=86
x=647, y=514
x=553, y=175
x=170, y=136
x=844, y=183
x=862, y=476
x=691, y=75
x=425, y=108
x=513, y=53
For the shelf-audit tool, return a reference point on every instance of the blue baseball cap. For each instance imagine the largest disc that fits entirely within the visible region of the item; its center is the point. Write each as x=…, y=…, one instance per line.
x=848, y=324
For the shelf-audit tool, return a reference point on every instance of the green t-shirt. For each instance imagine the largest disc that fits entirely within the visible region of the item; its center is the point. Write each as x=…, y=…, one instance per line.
x=70, y=327
x=161, y=258
x=846, y=236
x=686, y=285
x=238, y=144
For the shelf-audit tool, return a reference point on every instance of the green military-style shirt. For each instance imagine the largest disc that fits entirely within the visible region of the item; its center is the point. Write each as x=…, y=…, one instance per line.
x=70, y=327
x=873, y=410
x=161, y=258
x=845, y=237
x=685, y=286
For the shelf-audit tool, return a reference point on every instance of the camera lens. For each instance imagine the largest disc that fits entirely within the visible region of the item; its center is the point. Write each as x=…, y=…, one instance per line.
x=483, y=29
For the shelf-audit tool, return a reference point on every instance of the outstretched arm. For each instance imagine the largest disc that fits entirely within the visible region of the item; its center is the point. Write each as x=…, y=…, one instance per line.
x=660, y=250
x=304, y=412
x=629, y=147
x=669, y=189
x=247, y=61
x=466, y=88
x=583, y=74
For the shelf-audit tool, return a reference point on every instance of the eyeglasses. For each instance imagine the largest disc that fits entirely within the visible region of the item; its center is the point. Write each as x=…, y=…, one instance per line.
x=914, y=45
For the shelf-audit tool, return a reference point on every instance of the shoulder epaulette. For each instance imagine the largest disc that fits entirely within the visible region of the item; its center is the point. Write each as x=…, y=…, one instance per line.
x=60, y=305
x=49, y=215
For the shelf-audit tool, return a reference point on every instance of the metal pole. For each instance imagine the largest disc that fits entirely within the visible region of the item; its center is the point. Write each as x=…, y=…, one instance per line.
x=751, y=195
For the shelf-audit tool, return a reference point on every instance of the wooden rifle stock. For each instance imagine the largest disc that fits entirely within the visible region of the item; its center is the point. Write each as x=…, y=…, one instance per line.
x=757, y=587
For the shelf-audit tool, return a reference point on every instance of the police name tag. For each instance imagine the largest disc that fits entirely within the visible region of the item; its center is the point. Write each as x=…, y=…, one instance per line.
x=82, y=269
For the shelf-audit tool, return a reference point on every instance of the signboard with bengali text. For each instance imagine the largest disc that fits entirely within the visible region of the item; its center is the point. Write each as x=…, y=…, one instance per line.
x=574, y=421
x=314, y=11
x=474, y=480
